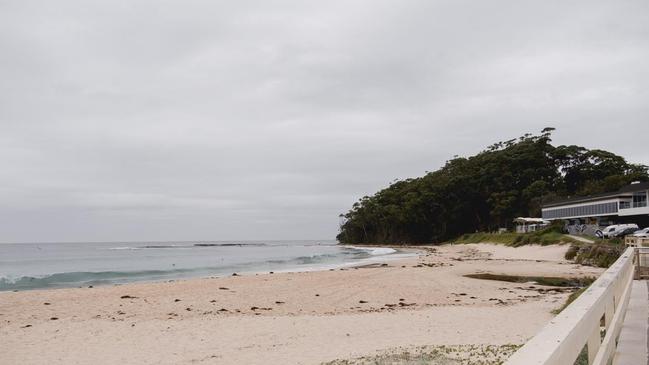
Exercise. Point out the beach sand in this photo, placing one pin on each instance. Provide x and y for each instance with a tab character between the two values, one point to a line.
291	318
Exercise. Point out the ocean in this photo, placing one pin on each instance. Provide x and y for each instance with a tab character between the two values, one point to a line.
27	266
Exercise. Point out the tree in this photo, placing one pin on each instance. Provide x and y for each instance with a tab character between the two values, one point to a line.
485	191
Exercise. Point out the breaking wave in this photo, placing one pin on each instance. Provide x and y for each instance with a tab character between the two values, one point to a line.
84	278
375	251
159	267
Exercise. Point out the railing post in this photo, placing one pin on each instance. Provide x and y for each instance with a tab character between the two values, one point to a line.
636	262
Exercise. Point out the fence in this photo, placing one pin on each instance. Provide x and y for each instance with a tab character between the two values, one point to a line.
598	311
642	263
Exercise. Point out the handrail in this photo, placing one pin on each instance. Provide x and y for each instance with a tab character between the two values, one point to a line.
562	340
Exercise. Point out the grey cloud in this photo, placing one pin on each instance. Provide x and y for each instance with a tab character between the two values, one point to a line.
147	120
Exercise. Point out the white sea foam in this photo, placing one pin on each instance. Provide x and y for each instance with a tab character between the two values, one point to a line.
65	264
376	251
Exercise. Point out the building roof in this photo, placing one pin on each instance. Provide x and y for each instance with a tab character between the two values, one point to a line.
530	220
626	191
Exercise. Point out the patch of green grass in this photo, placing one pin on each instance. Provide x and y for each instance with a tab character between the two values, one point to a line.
582	283
436	355
549	236
540	280
516	239
602	253
582	359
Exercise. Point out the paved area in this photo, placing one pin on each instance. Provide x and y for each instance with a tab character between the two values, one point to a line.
581	238
633	344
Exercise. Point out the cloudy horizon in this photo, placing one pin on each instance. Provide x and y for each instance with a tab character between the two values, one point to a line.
257	120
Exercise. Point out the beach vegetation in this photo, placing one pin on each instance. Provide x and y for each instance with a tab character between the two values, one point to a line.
602	253
438	355
575	282
552	235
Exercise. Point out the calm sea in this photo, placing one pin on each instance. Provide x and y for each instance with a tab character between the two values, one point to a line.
54	265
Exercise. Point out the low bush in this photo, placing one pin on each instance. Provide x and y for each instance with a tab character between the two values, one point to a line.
600	254
549	236
579	282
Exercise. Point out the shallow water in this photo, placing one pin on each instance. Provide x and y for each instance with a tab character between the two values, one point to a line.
53	265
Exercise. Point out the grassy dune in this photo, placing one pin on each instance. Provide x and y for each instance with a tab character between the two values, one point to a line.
600	253
549	236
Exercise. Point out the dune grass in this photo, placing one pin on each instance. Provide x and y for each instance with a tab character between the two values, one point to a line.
540	280
548	236
437	355
602	253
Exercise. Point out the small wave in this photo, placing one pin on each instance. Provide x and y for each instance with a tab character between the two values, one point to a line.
82	277
188	246
304	260
229	244
147	247
375	251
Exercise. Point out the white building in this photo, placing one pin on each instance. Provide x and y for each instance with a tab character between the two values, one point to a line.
628	204
525	225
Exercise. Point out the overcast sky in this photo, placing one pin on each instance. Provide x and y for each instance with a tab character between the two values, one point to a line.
233	120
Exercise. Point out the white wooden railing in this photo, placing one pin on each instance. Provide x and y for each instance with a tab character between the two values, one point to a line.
601	306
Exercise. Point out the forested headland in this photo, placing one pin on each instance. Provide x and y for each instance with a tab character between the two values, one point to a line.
485	192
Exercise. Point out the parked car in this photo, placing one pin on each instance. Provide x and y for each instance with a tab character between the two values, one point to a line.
615	230
624	232
641	233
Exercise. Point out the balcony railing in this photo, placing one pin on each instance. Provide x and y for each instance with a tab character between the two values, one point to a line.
629	205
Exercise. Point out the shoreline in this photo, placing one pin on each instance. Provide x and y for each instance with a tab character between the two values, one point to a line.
285	318
400	253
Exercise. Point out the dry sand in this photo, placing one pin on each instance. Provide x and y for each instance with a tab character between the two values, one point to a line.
290	318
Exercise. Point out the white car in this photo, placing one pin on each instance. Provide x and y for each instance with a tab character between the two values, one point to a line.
614	230
641	233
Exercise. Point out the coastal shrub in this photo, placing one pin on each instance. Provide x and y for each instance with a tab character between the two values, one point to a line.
436	354
572	252
600	254
548	236
540	280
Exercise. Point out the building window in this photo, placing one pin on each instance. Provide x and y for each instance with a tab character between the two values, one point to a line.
640	199
589	210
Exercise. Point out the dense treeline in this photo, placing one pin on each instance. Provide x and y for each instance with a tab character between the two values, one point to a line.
486	191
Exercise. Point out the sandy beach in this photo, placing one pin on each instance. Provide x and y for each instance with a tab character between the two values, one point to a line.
292	318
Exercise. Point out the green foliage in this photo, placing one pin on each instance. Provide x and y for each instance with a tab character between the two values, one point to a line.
600	254
540	280
544	237
572	252
436	354
582	359
484	192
